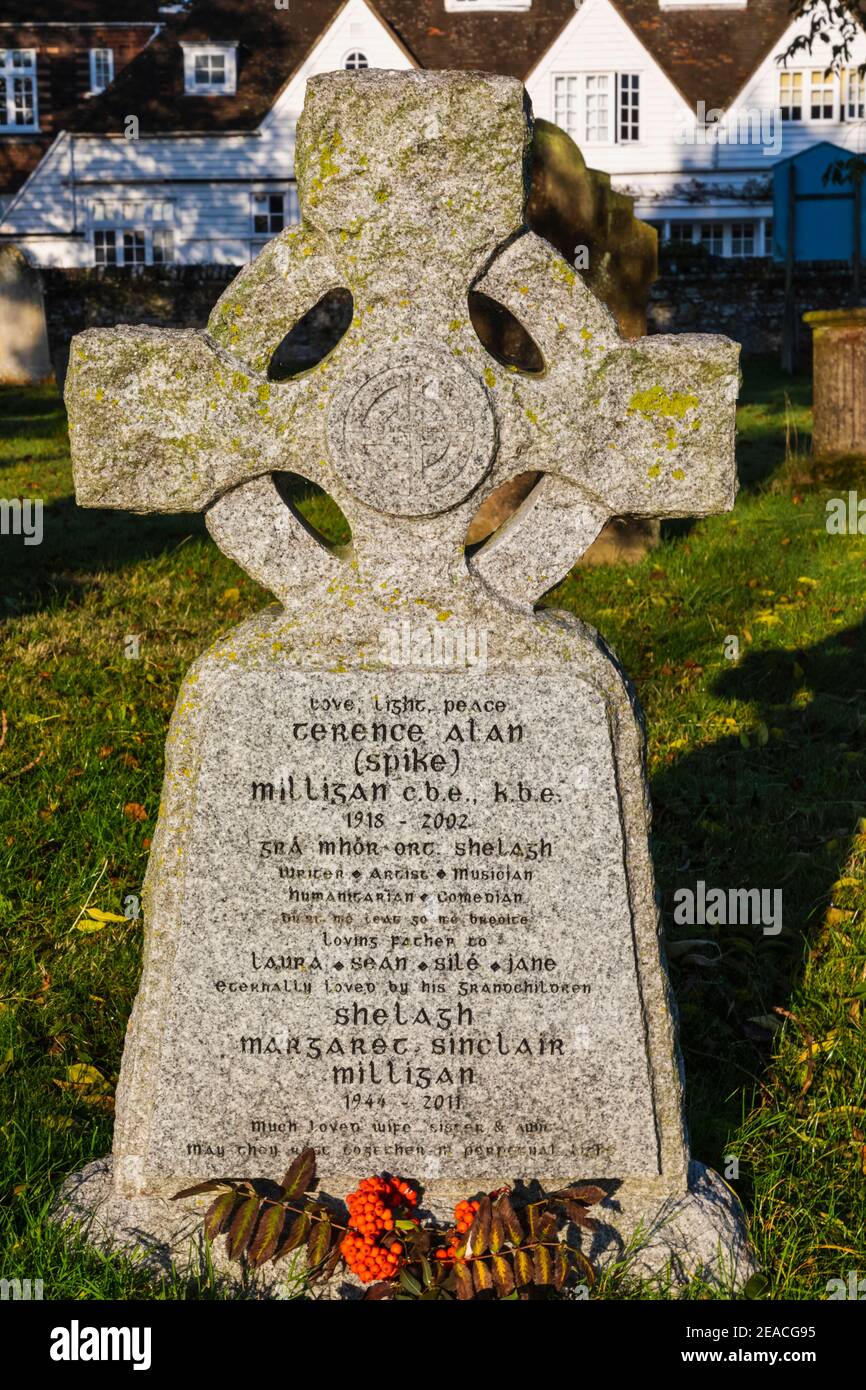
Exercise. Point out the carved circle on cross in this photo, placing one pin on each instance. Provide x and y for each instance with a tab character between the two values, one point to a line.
413	434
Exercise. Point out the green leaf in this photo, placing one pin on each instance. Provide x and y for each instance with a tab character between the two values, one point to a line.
755	1287
301	1173
410	1283
242	1227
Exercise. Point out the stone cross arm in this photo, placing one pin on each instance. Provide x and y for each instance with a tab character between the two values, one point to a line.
411	420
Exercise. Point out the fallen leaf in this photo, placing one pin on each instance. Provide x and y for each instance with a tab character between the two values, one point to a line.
230	596
133	811
99	916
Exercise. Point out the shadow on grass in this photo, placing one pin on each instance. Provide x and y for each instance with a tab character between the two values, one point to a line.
777	815
77	546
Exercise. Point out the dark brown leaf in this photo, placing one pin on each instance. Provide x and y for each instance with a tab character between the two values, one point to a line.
503	1276
481	1275
295	1236
583	1192
377	1292
301	1173
465	1286
497	1231
560	1267
242	1227
267	1237
577	1214
543	1264
219	1215
479	1233
215	1185
582	1264
510	1219
524	1269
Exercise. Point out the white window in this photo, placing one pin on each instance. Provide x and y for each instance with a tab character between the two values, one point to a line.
210	69
768	237
566	95
713	237
163	245
855	95
101	69
356	61
18	110
629	107
271	212
104	247
131	232
822	96
598	108
742	238
791	96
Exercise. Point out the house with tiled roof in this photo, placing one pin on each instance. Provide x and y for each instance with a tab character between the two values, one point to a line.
188	154
54	58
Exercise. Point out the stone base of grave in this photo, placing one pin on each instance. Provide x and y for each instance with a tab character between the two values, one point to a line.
701	1235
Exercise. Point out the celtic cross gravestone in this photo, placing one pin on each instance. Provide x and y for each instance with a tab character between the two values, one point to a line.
400	901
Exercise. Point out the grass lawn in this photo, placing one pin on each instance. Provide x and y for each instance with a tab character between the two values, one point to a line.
758	771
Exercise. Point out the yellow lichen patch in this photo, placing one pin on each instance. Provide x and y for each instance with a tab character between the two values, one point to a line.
654	471
656	402
586	333
240	382
490	377
678	474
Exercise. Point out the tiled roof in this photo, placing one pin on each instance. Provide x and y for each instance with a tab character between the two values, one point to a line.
708	53
80	11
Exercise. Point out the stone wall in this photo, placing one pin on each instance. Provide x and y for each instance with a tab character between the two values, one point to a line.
744	299
179	296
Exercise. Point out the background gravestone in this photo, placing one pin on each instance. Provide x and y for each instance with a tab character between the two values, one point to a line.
398	908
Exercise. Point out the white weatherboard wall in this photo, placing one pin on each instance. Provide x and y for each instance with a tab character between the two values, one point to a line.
662	167
200	185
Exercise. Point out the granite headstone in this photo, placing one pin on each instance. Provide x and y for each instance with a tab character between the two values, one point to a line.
400	901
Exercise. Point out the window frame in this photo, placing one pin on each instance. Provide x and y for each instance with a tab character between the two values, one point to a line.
619	115
820	83
356	67
95	55
796	76
121	218
9	75
195	51
290	216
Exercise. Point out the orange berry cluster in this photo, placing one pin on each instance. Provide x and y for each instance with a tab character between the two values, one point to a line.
464	1215
373	1210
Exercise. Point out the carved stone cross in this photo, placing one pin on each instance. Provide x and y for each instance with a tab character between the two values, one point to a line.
407	914
412	190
